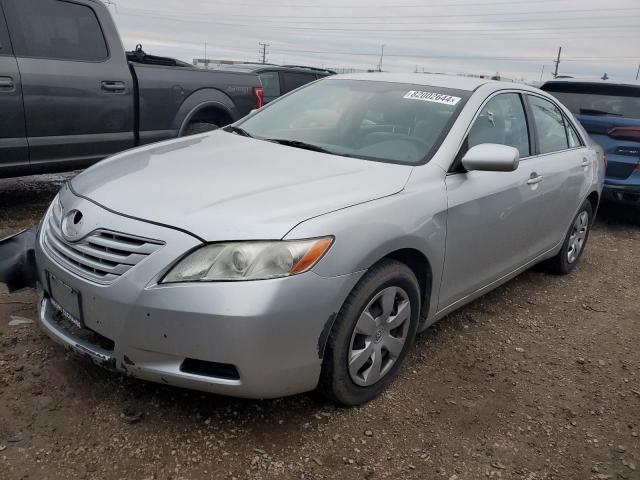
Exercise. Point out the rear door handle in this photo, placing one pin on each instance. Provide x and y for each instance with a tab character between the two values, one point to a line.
535	178
6	83
113	87
585	162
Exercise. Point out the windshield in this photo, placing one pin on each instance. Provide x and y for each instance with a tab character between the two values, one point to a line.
392	122
590	99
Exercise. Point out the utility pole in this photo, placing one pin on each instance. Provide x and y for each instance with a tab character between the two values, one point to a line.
557	62
381	55
264	51
542	73
638	72
206	61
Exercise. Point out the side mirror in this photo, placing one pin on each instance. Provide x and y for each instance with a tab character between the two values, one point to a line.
491	157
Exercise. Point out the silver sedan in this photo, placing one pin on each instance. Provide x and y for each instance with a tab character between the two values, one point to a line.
305	246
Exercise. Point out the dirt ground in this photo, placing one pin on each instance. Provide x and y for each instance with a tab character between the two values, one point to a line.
538	380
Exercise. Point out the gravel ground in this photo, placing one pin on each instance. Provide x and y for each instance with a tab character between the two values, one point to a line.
540	379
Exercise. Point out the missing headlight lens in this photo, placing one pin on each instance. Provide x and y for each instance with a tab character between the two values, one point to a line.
258	260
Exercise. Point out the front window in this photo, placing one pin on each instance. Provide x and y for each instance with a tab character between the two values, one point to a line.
393	122
502	121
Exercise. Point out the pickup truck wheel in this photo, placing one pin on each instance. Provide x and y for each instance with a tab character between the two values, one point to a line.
199	127
371	335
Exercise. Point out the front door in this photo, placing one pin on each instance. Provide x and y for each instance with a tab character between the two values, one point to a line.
493	217
14	151
78	92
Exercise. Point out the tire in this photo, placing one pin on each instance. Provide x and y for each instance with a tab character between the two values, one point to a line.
199	127
574	243
383	344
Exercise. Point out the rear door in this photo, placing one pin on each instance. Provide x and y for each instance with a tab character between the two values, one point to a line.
565	166
291	80
78	94
611	115
493	217
14	151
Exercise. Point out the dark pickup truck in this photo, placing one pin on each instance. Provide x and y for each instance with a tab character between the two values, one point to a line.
70	96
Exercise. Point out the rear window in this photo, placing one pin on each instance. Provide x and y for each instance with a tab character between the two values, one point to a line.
597	99
4	36
271	85
293	80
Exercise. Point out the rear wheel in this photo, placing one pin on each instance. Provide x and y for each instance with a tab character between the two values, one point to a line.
372	334
567	259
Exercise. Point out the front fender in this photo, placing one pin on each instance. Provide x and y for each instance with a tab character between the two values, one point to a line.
364	234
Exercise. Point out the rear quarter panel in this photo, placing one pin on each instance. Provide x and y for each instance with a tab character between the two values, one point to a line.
168	95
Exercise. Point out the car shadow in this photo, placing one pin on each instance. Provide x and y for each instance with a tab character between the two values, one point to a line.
618	215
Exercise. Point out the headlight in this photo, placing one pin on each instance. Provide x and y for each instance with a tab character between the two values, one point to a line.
248	260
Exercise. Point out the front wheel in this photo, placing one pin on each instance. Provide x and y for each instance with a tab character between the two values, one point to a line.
567	259
372	334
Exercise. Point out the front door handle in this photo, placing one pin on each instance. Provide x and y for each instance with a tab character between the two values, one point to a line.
534	179
113	87
6	83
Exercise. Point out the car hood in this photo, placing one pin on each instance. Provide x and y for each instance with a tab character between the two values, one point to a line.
221	186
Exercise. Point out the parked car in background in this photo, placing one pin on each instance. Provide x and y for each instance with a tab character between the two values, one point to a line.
299	249
280	79
610	112
69	95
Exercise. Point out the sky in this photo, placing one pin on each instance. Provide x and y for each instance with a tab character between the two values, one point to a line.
516	38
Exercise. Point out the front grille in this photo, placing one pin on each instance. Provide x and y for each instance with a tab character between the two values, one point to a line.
102	256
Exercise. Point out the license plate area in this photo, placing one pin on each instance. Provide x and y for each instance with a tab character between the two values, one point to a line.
66	300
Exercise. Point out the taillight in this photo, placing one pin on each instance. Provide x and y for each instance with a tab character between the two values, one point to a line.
606	160
625	133
258	92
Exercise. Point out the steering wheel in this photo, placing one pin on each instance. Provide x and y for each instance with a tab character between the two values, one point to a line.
415	140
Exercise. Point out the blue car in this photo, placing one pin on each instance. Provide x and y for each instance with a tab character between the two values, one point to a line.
610	113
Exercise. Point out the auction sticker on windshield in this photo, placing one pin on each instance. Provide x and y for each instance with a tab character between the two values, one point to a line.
432	97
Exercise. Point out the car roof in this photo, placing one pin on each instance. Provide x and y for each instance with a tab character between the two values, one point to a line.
457	82
583	81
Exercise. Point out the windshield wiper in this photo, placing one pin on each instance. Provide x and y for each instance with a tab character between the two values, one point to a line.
299	144
590	111
238	130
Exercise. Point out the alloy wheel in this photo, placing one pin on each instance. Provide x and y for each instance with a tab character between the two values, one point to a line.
379	336
578	236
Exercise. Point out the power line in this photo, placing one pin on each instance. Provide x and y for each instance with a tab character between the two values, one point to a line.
596	19
451	57
378	17
431	5
437	31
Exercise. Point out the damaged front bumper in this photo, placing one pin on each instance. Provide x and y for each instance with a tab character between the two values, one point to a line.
255	339
17	260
